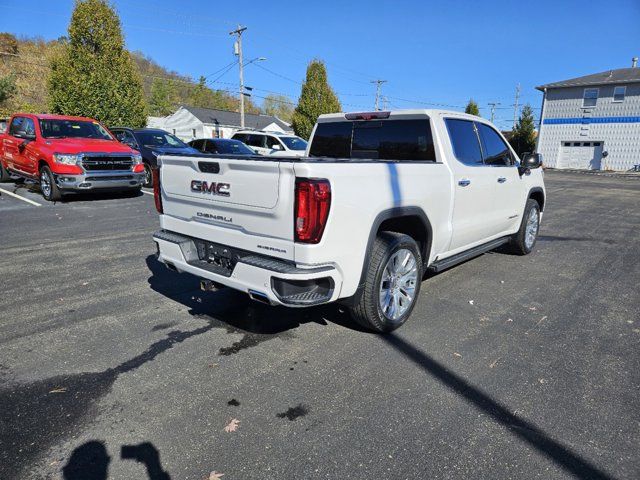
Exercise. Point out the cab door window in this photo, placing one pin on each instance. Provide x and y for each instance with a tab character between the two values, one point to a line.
17	125
495	151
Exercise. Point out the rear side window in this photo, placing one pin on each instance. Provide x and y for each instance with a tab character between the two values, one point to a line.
464	140
256	140
240	136
332	140
382	139
496	152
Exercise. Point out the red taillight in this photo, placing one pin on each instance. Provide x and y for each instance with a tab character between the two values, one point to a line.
313	199
155	172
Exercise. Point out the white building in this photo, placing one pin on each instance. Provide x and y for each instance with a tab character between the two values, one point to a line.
592	122
188	123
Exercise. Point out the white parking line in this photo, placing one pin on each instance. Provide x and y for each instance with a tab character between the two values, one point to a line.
11	194
148	193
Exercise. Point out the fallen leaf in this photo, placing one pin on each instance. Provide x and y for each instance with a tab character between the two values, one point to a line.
232	426
494	363
84	284
59	390
533	309
470	302
542	380
501	281
215	476
509	319
457	354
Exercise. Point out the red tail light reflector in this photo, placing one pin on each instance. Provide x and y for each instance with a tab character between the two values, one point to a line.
313	199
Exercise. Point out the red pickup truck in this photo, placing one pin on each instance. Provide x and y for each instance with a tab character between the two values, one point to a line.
67	154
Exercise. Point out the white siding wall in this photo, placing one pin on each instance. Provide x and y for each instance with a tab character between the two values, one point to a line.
621	140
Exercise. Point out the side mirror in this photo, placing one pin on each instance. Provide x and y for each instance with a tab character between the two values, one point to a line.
24	135
529	161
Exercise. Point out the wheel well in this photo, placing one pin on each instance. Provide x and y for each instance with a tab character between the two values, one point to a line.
538	196
41	163
411	225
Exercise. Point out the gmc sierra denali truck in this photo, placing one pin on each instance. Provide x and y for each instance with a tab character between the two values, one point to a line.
67	154
379	198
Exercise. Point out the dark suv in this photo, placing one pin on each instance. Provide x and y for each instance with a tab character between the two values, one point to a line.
151	142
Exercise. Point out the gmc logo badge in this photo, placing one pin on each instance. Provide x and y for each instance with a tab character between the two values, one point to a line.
213	188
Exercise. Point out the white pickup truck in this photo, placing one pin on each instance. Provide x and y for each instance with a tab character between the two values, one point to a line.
379	199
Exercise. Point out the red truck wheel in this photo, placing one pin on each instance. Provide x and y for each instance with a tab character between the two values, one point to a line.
48	187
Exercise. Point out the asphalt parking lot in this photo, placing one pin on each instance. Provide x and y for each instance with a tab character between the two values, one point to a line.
112	366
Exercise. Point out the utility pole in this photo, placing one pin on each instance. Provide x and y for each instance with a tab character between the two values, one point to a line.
515	106
378	85
493	109
238	51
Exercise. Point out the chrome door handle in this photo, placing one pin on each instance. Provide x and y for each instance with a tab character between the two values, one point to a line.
464	182
502	179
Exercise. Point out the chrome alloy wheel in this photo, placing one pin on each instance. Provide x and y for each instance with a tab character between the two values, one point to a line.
531	230
45	184
148	176
398	285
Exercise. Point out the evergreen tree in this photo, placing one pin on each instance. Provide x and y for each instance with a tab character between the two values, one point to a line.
472	108
523	138
162	98
7	87
316	98
93	75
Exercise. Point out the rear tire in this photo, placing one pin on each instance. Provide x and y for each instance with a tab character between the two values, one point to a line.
392	283
4	175
522	243
48	187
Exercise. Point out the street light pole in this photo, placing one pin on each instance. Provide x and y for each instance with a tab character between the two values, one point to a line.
238	51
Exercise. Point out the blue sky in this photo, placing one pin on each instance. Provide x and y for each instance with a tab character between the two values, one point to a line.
429	52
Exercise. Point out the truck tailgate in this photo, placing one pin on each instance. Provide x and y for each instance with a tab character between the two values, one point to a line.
238	202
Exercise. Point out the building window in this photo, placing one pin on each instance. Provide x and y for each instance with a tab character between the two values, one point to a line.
618	94
590	97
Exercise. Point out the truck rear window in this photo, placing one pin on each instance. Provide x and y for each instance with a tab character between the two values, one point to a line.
378	139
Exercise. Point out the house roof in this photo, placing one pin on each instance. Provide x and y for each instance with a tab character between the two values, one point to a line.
620	75
225	117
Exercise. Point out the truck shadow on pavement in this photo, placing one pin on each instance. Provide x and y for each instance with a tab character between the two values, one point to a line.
90	461
561	455
234	311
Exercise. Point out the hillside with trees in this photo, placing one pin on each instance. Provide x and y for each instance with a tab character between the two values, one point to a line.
25	70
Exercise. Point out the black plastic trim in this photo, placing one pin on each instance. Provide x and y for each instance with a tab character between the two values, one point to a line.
544	197
449	262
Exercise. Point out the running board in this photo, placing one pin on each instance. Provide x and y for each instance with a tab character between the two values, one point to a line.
449	262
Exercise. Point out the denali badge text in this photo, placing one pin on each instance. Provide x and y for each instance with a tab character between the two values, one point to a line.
213	188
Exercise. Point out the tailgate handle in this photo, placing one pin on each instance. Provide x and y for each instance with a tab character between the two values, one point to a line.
209	167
